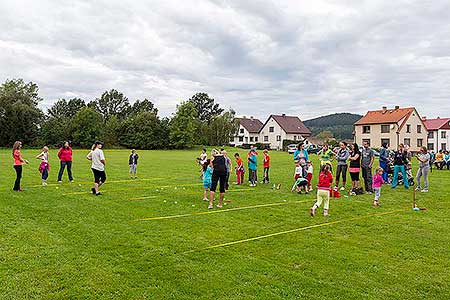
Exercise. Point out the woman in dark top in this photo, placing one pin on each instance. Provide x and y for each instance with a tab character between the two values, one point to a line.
355	168
400	162
219	176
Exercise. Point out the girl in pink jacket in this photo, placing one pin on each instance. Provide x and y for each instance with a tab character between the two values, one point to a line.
377	181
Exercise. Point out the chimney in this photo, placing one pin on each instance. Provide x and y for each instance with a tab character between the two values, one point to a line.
424	118
397	107
244	117
283	115
251	117
384	108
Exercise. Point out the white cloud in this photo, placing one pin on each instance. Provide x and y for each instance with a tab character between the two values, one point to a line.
299	57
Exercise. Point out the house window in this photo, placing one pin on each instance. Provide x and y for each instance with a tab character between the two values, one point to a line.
419	142
430	146
407	142
278	138
408	128
444	146
271	129
443	134
241	139
366	129
241	130
266	138
256	139
431	135
419	128
385	141
295	137
385	129
246	139
366	140
251	139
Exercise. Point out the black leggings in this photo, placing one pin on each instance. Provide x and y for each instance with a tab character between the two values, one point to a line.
218	177
341	171
18	177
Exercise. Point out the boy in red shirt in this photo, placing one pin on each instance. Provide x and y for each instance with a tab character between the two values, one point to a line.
266	163
323	191
239	169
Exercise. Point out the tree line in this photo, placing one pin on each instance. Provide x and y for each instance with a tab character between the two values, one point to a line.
110	118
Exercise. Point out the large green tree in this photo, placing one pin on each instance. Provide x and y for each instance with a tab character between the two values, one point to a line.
144	131
222	128
183	126
87	126
205	106
20	116
66	109
112	103
143	106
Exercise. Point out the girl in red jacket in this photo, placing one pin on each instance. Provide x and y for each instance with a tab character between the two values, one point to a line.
323	191
65	158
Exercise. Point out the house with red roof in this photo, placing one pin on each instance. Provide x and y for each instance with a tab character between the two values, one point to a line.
281	127
392	126
438	133
248	132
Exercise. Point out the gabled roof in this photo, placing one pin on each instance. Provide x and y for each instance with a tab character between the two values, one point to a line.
252	125
290	124
435	124
385	116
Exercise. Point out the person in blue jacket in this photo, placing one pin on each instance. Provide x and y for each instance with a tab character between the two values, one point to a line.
301	155
252	166
384	160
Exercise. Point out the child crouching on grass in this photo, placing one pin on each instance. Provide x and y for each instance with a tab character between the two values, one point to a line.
207	176
300	183
377	182
44	167
323	191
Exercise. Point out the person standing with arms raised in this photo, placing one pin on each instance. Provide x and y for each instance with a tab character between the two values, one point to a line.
65	159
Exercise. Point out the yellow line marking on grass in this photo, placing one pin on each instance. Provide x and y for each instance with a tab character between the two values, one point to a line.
220	211
143	198
293	230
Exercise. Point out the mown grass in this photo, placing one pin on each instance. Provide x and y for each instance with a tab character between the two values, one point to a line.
60	242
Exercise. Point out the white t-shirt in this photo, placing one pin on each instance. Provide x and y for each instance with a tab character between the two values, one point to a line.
309	170
298	170
44	157
96	157
203	158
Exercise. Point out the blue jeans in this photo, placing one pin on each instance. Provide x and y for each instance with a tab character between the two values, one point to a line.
383	165
63	165
402	169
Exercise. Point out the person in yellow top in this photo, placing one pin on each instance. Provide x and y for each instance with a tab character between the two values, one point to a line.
439	161
325	155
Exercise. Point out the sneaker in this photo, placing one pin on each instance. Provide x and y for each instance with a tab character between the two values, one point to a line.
210	206
72	181
310	189
342	188
299	192
219	206
375	203
205	199
325	212
93	191
312	212
98	194
417	189
424	191
44	184
59	181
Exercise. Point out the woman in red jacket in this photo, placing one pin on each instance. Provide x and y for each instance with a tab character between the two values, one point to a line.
65	158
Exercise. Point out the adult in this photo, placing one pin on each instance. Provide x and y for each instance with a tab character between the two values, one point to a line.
439	160
424	168
301	155
65	160
367	157
432	158
325	156
400	162
219	176
355	169
18	162
229	166
384	160
342	156
97	158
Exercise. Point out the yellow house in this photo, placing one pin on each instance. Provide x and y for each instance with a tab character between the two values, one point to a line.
393	127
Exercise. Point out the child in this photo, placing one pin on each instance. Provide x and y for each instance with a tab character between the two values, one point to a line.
300	183
377	181
266	164
252	167
323	191
44	167
207	176
309	174
132	162
229	166
239	169
298	170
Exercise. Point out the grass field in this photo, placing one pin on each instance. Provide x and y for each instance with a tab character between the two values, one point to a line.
60	242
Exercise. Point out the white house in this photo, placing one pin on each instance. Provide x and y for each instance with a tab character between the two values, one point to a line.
438	133
393	127
248	132
281	127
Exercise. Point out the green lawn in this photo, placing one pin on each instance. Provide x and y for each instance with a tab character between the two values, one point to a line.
60	242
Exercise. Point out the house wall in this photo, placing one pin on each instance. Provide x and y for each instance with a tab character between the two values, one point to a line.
273	142
438	141
413	135
375	136
246	137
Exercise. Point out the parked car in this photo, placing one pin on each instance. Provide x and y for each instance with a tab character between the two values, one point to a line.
291	148
312	148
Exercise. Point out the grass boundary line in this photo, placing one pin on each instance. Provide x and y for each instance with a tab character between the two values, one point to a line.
291	231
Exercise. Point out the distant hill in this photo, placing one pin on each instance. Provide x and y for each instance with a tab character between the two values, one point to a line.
341	124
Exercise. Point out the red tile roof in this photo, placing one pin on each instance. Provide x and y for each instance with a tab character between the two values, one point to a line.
291	124
252	125
435	124
385	116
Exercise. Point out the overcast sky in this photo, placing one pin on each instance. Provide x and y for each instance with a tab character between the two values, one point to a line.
307	58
